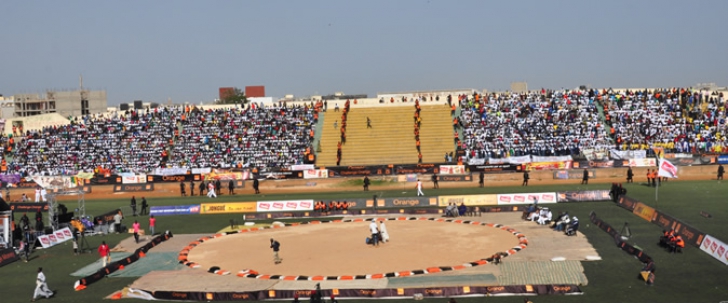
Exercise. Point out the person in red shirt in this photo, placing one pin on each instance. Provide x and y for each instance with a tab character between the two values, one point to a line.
105	253
152	222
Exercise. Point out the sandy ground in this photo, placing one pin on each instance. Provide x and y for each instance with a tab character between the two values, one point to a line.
338	248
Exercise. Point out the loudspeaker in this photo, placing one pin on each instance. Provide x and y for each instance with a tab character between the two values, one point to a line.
137	104
124	106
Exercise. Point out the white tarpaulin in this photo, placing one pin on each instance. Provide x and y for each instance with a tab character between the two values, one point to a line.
627	154
551	158
171	171
315	173
201	171
510	160
55	182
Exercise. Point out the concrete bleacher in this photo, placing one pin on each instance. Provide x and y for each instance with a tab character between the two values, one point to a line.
391	138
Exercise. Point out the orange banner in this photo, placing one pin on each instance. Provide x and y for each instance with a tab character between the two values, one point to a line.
644	211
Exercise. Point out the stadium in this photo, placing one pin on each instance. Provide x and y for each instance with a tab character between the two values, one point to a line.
454	175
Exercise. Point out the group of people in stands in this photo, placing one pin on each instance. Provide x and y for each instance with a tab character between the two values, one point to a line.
544	216
672	241
344	115
177	136
323	207
680	120
418	122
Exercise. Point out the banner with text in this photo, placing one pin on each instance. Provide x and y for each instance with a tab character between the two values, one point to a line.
173	178
452	170
7	256
469	200
584	196
57	237
643	211
134	179
715	248
315	173
227	208
174	210
643	162
526	198
292	205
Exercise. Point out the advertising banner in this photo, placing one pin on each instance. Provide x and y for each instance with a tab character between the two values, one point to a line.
350	203
56	182
510	160
10	178
7	256
452	170
279	175
174	210
596	164
573	174
583	196
350	171
57	237
627	154
227	208
548	165
643	211
171	171
112	179
416	169
723	159
690	234
408	202
292	205
134	179
526	198
469	200
120	188
26	184
315	173
627	203
302	167
643	162
664	221
476	161
715	248
28	207
455	178
228	175
173	178
201	171
494	168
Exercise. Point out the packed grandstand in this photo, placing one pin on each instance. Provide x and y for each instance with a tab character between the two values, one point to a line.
275	136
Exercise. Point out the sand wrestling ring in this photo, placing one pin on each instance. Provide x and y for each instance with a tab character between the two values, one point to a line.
426	256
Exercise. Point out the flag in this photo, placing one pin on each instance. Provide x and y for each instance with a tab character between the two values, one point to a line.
667	169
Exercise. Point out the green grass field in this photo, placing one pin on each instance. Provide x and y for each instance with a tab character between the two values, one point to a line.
692	276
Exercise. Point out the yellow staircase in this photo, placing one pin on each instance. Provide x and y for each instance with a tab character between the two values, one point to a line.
391	139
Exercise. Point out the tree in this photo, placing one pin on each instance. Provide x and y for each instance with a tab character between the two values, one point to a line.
237	96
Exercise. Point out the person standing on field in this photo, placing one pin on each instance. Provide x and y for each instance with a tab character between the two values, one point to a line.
276	246
41	287
419	188
105	253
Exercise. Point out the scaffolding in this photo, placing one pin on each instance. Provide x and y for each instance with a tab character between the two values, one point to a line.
52	198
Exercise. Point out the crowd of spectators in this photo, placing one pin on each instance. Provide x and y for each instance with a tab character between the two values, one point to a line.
543	123
177	136
678	120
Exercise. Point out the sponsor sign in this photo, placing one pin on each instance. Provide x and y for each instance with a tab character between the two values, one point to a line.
170	171
173	178
56	237
302	167
526	198
348	171
594	164
26	184
723	159
10	178
134	179
315	173
690	234
28	207
292	205
642	162
715	248
408	202
573	174
548	165
488	168
225	175
452	169
416	169
174	210
113	179
583	196
469	200
279	175
133	187
455	178
643	211
627	203
7	256
226	208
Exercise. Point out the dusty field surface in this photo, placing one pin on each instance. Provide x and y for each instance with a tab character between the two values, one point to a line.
336	249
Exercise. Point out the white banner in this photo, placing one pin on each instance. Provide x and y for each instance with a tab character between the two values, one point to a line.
593	154
715	248
627	154
510	160
452	169
302	167
476	162
293	205
54	182
526	198
59	236
642	162
315	173
170	171
201	171
551	158
134	179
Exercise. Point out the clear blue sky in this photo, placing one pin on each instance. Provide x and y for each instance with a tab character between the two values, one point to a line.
185	50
